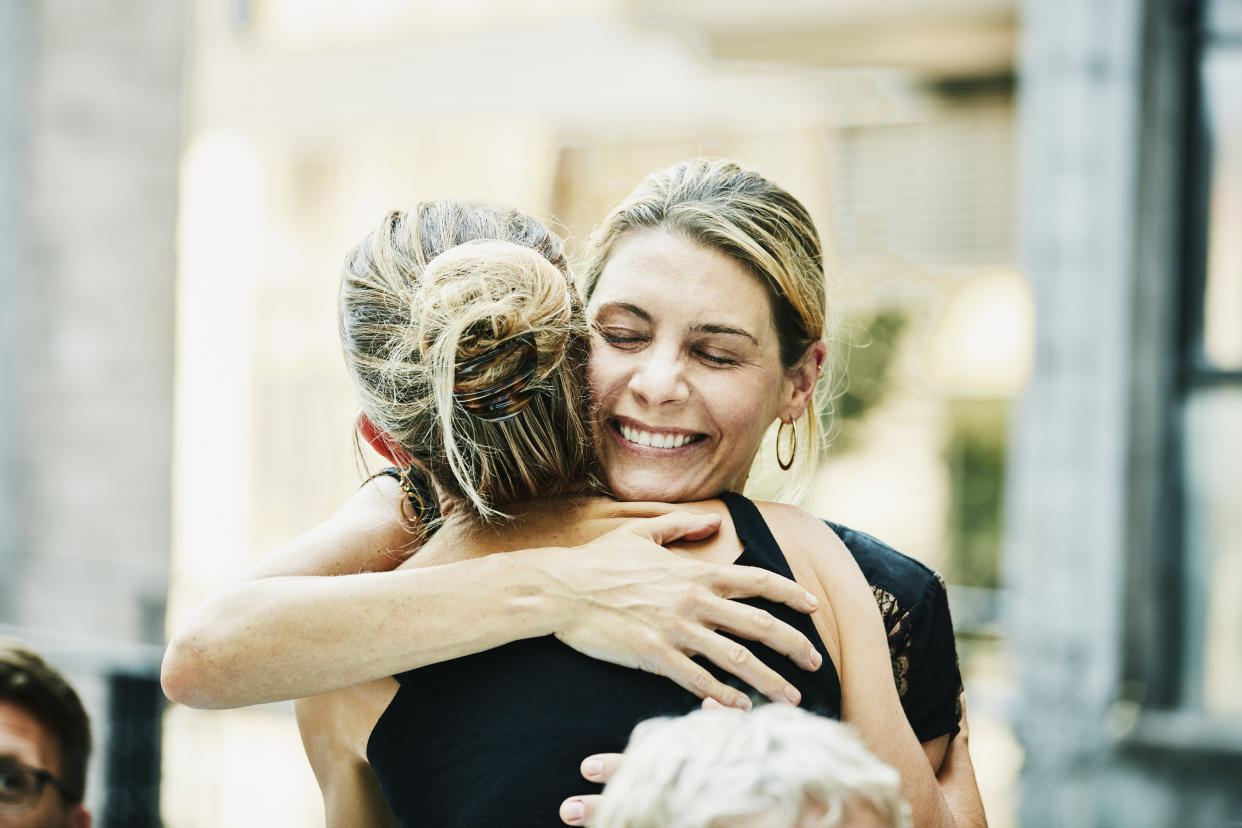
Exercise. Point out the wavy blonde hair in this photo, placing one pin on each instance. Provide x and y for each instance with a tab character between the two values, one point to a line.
720	205
448	285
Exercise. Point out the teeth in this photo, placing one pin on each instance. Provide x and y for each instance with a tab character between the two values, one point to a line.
653	439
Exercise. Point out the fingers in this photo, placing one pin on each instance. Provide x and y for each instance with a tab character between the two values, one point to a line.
579	810
735	658
678	525
600	767
751	582
695	678
751	622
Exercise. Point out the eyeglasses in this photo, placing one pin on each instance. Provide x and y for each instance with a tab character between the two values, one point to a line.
21	786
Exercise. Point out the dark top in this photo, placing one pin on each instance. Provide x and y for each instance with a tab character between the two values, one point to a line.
495	738
915	608
913	603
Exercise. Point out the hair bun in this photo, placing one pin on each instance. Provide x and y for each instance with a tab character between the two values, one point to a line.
510	394
494	316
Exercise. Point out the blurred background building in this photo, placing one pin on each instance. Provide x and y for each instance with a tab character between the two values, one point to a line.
1031	215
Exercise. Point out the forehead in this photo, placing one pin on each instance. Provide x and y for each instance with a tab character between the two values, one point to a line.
25	738
660	271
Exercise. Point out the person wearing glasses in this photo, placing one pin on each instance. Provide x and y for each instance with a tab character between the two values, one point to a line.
45	742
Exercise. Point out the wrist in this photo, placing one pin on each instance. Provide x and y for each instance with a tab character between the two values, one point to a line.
536	596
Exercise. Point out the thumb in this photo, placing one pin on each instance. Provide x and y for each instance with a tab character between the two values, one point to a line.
678	525
600	767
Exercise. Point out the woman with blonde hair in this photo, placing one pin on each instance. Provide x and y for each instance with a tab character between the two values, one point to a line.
685	392
473	368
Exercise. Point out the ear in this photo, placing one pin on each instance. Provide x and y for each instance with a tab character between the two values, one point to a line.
381	442
802	378
79	817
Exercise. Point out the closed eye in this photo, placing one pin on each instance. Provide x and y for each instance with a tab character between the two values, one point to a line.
716	359
620	337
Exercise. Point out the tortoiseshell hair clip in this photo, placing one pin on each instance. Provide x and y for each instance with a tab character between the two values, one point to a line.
499	402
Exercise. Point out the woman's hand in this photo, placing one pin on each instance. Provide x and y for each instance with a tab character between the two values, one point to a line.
634	603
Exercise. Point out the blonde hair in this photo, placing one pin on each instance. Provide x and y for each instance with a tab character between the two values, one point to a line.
720	205
714	768
468	344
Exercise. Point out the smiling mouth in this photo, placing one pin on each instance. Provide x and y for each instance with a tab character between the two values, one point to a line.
656	439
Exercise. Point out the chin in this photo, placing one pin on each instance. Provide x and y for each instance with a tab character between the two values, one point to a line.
642	487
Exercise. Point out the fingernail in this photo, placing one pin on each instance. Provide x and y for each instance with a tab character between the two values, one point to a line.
592	767
792	694
812	600
741	703
573	811
817	660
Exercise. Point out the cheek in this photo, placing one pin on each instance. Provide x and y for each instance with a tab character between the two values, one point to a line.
742	406
597	379
605	373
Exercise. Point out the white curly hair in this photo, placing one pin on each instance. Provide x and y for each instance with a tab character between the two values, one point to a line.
775	767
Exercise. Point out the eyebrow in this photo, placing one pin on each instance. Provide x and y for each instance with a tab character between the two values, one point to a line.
724	329
706	327
626	306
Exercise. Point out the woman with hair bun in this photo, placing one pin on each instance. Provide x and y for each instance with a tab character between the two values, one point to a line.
472	367
705	299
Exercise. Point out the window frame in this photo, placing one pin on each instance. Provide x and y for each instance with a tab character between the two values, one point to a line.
1164	665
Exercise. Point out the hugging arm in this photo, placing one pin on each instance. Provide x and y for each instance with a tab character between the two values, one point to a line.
935	703
303	625
923	659
870	700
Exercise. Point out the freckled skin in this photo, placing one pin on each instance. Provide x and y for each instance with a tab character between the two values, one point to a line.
24	738
682	341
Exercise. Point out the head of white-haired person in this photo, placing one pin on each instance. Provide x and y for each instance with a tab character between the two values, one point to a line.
774	767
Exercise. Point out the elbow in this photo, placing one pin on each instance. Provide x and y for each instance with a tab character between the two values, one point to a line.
185	673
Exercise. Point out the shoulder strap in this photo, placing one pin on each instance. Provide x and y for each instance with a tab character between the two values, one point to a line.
759	547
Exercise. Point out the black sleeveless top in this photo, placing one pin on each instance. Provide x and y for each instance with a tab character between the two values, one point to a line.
495	738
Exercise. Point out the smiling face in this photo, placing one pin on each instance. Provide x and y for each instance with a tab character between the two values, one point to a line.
685	367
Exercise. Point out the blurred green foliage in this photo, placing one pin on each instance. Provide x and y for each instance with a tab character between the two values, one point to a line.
974	447
863	361
975	457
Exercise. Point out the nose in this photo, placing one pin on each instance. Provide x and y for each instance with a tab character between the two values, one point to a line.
660	378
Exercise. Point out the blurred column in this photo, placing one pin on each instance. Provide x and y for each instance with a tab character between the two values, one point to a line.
13	29
1095	617
94	334
90	135
1067	488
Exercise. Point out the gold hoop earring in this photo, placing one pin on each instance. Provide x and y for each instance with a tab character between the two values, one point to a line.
412	495
786	465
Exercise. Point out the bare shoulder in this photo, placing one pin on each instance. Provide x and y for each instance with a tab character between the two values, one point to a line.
805	534
369	533
335	728
807	541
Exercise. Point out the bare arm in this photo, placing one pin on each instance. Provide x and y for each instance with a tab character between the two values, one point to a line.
869	699
949	761
956	776
351	793
290	632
